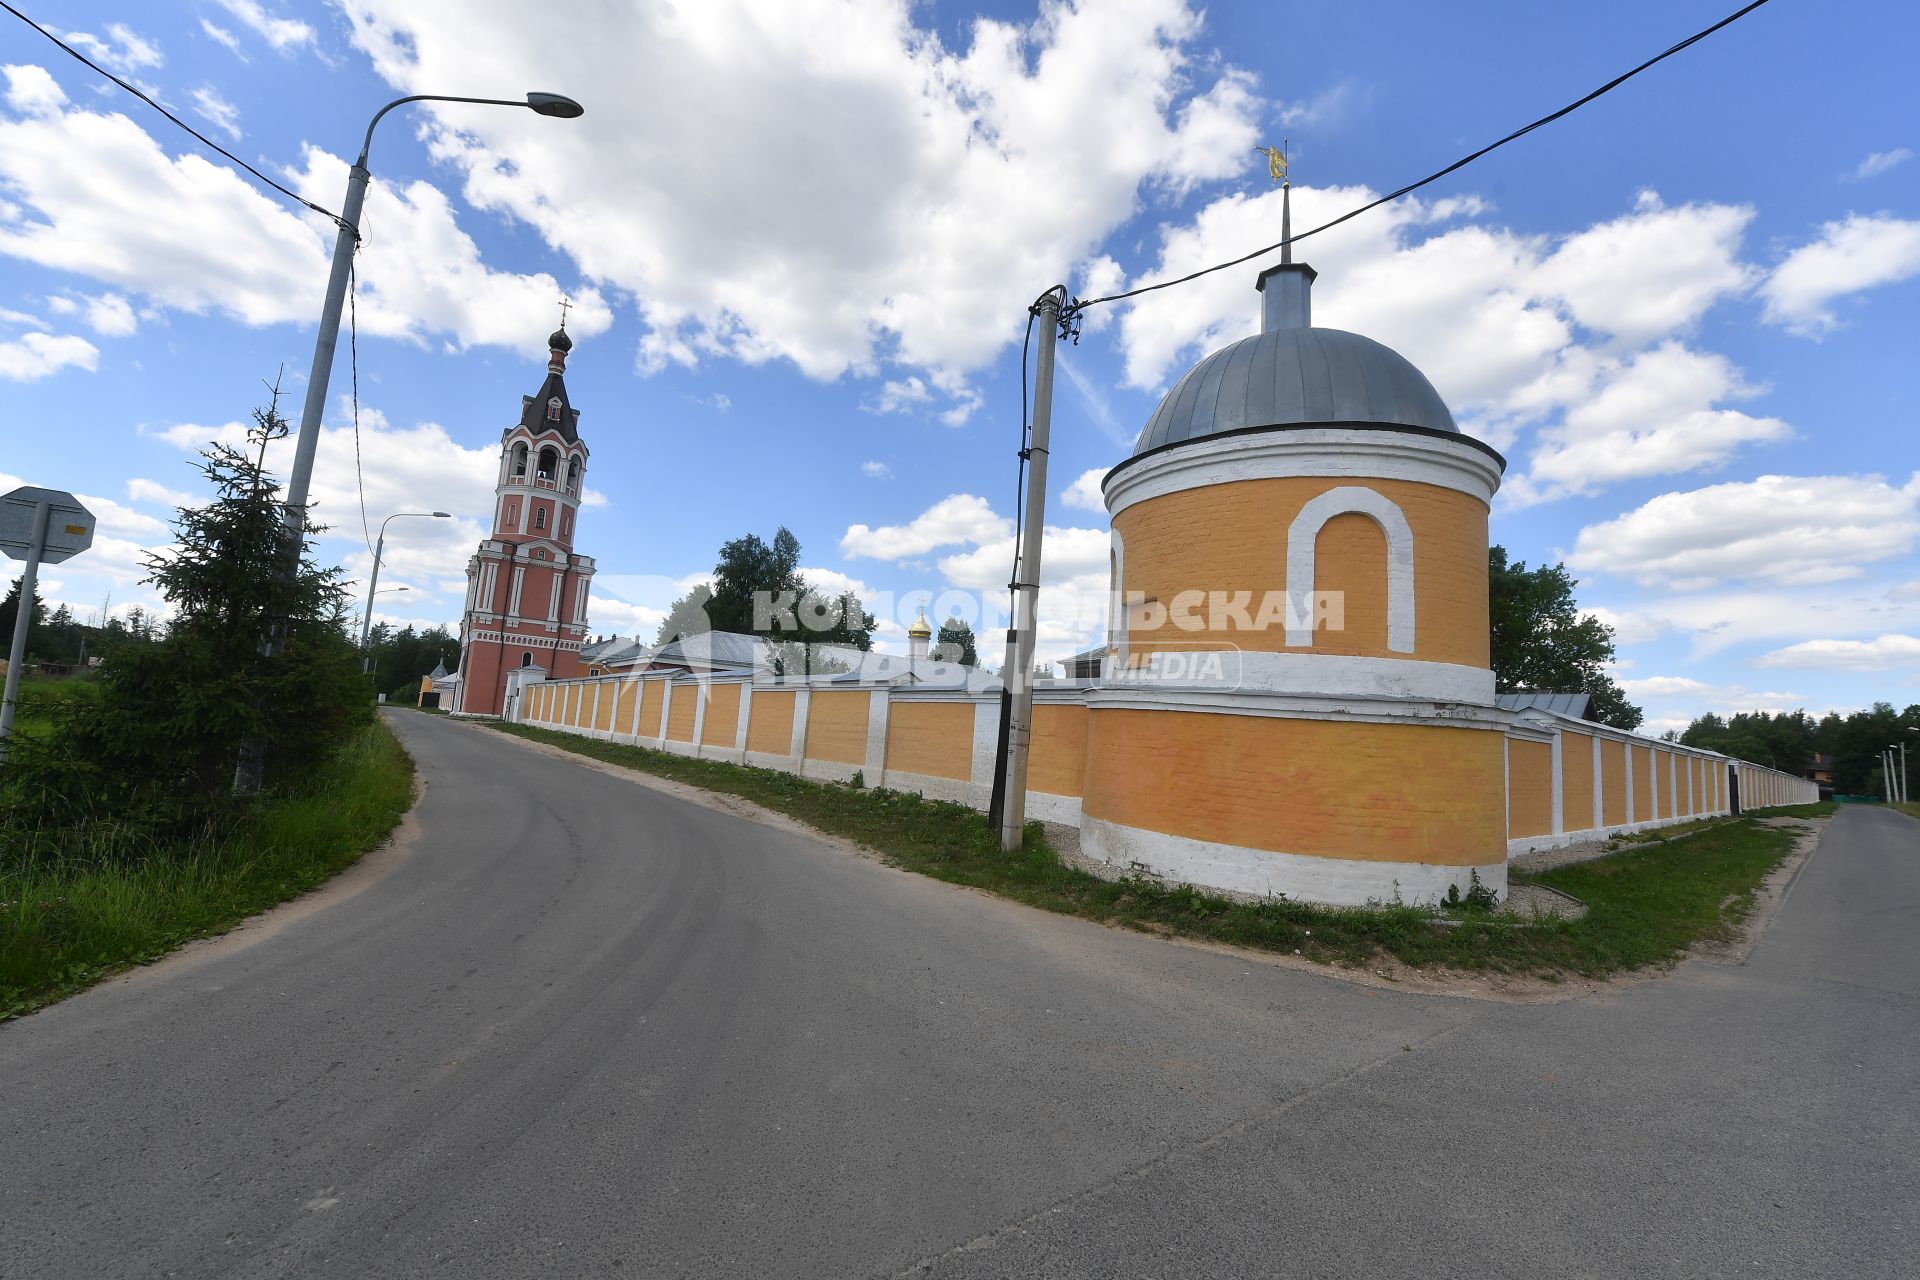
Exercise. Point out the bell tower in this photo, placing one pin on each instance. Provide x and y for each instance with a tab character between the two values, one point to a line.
526	586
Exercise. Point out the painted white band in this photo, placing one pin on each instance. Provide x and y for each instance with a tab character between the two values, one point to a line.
1318	674
1345	882
1337	452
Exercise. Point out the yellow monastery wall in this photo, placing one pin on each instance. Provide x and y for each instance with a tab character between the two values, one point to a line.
1576	781
623	716
770	722
1233	537
605	694
1388	793
682	711
1613	782
1669	783
1057	760
722	725
837	726
1529	789
930	738
651	699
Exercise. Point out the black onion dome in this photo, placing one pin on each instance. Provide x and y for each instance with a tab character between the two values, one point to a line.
559	341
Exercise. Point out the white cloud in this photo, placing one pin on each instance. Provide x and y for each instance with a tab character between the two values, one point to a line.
419	468
281	33
888	192
1863	252
1651	272
216	110
959	519
1780	530
876	470
141	490
224	37
1886	653
36	355
111	315
33	92
1631	627
192	235
1879	162
1685	691
1648	415
1084	493
900	396
124	50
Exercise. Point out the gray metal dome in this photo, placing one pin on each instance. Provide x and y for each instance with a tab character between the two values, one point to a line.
1291	374
1285	377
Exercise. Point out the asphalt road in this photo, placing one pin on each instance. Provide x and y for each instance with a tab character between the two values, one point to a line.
586	1029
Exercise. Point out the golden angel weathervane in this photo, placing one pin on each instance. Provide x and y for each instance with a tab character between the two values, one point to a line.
1276	161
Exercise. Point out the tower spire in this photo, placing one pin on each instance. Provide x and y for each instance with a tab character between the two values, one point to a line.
1286	204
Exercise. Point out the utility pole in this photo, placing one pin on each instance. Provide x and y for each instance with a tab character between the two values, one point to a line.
1017	675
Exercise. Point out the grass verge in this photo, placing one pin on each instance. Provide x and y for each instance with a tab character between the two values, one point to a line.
1645	906
1911	810
65	926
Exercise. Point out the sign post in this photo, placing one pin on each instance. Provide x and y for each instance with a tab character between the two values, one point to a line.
35	525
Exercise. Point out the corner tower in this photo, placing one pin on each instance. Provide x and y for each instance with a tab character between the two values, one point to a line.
526	587
1299	698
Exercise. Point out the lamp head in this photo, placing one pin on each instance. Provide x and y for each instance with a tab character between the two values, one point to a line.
556	105
441	515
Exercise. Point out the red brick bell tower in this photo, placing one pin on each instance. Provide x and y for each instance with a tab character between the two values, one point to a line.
526	588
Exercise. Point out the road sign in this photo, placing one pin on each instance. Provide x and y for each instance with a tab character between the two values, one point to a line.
35	525
69	525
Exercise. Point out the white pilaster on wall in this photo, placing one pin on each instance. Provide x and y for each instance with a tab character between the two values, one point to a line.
666	708
1653	784
1599	787
1506	784
593	717
746	718
802	697
874	771
1559	790
1673	782
702	694
1633	802
986	742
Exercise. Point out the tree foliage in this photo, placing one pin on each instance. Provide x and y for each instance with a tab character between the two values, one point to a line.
160	745
758	590
400	658
1541	640
956	643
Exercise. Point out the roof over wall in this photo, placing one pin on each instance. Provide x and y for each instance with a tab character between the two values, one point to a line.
1561	704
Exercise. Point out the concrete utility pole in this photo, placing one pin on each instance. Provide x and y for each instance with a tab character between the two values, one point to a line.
1018	672
247	774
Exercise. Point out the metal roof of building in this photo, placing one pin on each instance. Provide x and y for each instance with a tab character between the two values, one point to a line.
1561	704
1291	377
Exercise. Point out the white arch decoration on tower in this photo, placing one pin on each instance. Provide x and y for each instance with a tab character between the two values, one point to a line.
1304	532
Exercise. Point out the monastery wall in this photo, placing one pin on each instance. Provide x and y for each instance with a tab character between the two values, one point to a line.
1348	791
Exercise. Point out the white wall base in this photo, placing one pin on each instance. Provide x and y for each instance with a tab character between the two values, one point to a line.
1343	882
1597	835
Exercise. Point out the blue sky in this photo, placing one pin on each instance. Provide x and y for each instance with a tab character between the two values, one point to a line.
802	238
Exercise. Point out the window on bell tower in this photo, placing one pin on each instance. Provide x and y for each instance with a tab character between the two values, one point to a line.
540	517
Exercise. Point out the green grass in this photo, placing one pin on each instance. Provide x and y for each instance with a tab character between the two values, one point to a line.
65	926
1911	810
1645	906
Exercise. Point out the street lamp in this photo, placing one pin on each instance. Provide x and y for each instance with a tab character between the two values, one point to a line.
379	549
298	481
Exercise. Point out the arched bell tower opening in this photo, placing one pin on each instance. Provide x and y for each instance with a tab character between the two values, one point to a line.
527	589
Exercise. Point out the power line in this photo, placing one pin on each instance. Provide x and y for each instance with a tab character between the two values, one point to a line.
1079	305
204	139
